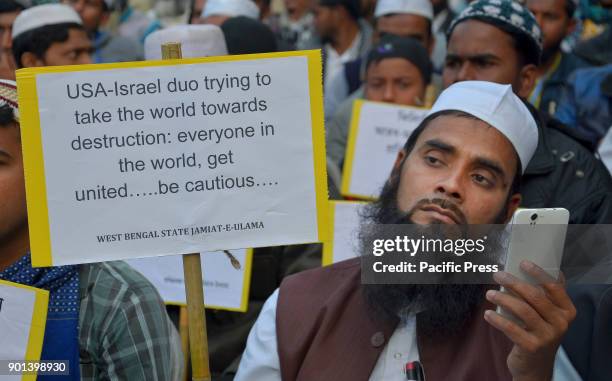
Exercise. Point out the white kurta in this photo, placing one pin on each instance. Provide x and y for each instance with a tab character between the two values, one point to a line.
260	359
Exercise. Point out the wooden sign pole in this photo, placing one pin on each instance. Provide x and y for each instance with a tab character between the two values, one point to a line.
198	341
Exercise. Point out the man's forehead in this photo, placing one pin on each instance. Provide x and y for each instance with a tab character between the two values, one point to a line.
79	38
470	136
542	5
7	19
478	37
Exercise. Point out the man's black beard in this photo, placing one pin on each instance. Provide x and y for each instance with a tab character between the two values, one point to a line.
443	309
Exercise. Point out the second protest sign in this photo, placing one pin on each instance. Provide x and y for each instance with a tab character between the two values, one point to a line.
378	132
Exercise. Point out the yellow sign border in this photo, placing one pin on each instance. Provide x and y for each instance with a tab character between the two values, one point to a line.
327	257
349	155
328	246
39	321
33	158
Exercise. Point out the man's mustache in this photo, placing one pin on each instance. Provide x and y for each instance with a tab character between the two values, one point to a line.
444	204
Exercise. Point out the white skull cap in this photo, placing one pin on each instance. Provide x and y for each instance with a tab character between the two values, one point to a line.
43	15
498	106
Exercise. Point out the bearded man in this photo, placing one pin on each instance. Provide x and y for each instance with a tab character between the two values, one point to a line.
462	165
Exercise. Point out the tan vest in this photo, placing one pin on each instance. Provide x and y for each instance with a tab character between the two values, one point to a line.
326	332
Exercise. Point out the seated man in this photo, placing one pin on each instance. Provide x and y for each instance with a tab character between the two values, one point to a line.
104	316
500	41
50	35
556	19
398	71
463	164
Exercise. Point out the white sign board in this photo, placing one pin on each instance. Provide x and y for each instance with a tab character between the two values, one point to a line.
23	315
225	287
378	132
155	158
344	241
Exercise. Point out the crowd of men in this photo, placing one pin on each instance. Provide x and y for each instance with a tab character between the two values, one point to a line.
521	109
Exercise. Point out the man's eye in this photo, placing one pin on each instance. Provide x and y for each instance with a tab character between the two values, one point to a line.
482	180
452	63
484	63
404	85
432	160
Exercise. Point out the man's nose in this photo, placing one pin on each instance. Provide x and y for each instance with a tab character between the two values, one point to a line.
451	186
466	73
389	93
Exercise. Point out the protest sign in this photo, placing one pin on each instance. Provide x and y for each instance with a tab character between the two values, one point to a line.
378	132
170	157
225	287
344	241
23	315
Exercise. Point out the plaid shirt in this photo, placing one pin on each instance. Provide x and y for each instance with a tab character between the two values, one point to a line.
124	330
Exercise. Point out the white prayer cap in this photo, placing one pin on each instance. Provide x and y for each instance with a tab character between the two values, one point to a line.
415	7
497	106
43	15
8	96
231	8
196	41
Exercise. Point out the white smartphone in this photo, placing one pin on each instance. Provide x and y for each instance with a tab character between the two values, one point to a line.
537	235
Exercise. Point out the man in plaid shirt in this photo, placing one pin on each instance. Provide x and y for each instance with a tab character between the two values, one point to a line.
104	316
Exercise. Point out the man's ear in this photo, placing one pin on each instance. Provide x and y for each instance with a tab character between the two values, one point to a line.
29	59
527	78
513	204
399	160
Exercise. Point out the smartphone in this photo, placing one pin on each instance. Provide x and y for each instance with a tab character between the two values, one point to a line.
537	235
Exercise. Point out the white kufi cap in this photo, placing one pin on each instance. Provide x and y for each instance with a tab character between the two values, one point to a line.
497	106
414	7
43	15
196	41
231	8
